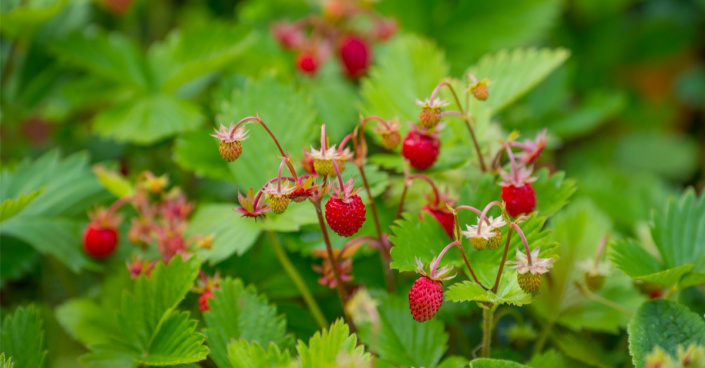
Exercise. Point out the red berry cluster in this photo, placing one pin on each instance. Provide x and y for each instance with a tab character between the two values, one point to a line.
316	37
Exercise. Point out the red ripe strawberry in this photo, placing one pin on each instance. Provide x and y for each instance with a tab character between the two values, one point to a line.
203	300
519	200
445	218
355	55
345	212
99	242
425	298
421	148
307	63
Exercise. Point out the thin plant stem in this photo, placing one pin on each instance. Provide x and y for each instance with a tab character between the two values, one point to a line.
434	265
400	208
504	259
297	279
523	239
487	318
473	209
544	335
259	120
483	216
603	301
467	264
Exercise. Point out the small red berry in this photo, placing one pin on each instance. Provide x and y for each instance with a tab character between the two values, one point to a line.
355	55
519	200
99	242
203	300
444	217
345	218
307	63
425	298
421	149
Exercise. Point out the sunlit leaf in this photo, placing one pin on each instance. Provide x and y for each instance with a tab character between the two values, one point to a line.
333	347
243	354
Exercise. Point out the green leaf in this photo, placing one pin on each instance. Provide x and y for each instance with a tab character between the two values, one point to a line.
23	20
47	223
238	312
196	151
416	238
85	321
679	233
243	354
408	70
233	233
151	331
148	119
22	337
6	362
288	113
514	73
402	341
336	100
552	191
114	182
16	259
296	215
494	363
508	291
188	54
549	358
333	347
12	206
666	324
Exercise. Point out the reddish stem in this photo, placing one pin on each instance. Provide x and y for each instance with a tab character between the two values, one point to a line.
434	264
483	216
291	167
473	209
523	238
436	193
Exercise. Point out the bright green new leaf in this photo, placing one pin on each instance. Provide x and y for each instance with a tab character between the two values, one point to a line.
152	332
12	206
408	70
513	73
679	234
494	363
243	354
334	347
51	223
148	119
239	312
508	291
114	182
22	337
666	324
288	113
400	340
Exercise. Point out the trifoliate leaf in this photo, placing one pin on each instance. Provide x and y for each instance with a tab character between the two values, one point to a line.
238	312
552	192
333	347
12	206
243	354
513	73
22	337
666	324
288	113
679	234
148	119
494	363
409	70
151	331
508	291
49	223
400	340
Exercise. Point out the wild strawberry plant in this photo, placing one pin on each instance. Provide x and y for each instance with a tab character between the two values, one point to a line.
327	187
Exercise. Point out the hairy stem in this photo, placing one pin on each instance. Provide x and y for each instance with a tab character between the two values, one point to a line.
297	279
501	264
487	314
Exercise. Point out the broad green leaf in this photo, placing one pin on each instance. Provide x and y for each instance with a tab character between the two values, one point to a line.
22	337
243	354
508	291
513	73
552	191
28	16
296	215
333	347
549	358
148	119
48	223
679	234
190	53
111	56
12	206
288	113
196	151
454	361
400	340
85	321
416	238
408	70
233	233
239	312
494	363
151	331
666	324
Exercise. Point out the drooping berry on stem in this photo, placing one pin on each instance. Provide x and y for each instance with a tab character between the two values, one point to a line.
421	148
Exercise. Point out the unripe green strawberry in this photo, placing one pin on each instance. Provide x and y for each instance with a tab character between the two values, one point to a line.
230	151
529	282
495	241
594	281
278	204
478	243
323	167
